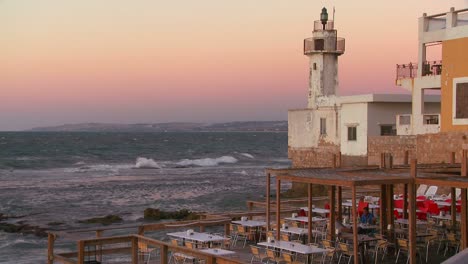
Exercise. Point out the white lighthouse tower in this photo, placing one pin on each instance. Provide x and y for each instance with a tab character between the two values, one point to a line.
323	50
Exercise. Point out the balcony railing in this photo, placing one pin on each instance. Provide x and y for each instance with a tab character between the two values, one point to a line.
405	71
410	70
311	46
319	26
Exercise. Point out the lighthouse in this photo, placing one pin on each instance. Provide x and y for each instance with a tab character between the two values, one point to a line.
323	49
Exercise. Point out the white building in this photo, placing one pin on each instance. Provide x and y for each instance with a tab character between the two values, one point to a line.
332	124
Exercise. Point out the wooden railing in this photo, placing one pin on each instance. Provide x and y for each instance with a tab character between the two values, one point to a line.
164	249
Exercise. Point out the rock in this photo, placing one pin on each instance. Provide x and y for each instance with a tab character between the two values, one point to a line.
157	214
106	220
23	229
55	223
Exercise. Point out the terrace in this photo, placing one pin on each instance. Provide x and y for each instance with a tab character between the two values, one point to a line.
228	237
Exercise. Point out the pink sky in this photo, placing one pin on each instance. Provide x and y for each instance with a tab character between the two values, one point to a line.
203	61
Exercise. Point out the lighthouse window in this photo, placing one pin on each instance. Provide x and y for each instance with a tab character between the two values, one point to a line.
315	66
319	44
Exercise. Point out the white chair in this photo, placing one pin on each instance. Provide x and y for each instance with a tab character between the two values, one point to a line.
458	193
421	190
431	191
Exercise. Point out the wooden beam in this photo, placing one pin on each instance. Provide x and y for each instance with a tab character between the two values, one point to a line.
81	252
355	226
278	208
309	214
382	209
412	223
268	203
464	219
405	202
50	248
332	191
339	203
412	213
135	250
453	208
163	254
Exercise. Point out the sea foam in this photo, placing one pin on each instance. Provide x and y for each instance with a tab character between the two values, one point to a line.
207	162
144	163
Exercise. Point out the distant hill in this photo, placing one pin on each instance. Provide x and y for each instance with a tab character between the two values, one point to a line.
170	127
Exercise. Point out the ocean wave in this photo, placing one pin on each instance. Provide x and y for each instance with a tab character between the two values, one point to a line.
145	163
250	156
99	168
207	162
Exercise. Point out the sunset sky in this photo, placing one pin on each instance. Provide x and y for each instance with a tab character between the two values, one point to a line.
204	61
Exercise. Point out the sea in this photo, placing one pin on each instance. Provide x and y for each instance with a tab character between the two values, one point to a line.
56	179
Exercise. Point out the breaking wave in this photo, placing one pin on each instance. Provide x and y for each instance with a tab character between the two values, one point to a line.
250	156
207	162
145	163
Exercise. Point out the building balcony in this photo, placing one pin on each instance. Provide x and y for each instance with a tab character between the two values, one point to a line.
424	124
317	45
429	75
318	26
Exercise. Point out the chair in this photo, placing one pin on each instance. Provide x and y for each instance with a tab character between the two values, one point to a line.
431	191
242	234
421	190
288	258
257	255
144	252
346	251
271	254
233	233
380	247
452	242
403	247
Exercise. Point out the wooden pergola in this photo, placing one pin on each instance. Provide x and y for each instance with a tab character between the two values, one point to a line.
336	180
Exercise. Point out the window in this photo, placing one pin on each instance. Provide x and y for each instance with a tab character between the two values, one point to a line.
323	126
319	44
315	66
387	130
461	103
352	133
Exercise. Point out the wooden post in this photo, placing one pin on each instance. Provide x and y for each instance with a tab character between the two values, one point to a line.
405	202
464	209
50	248
389	199
278	209
249	208
141	230
412	212
202	228
406	160
99	247
339	203
452	158
355	226
163	256
227	231
331	215
383	209
464	219
81	252
309	214
134	250
268	178
453	208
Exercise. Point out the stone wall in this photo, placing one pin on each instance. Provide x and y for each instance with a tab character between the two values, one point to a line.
428	148
437	148
397	145
313	157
